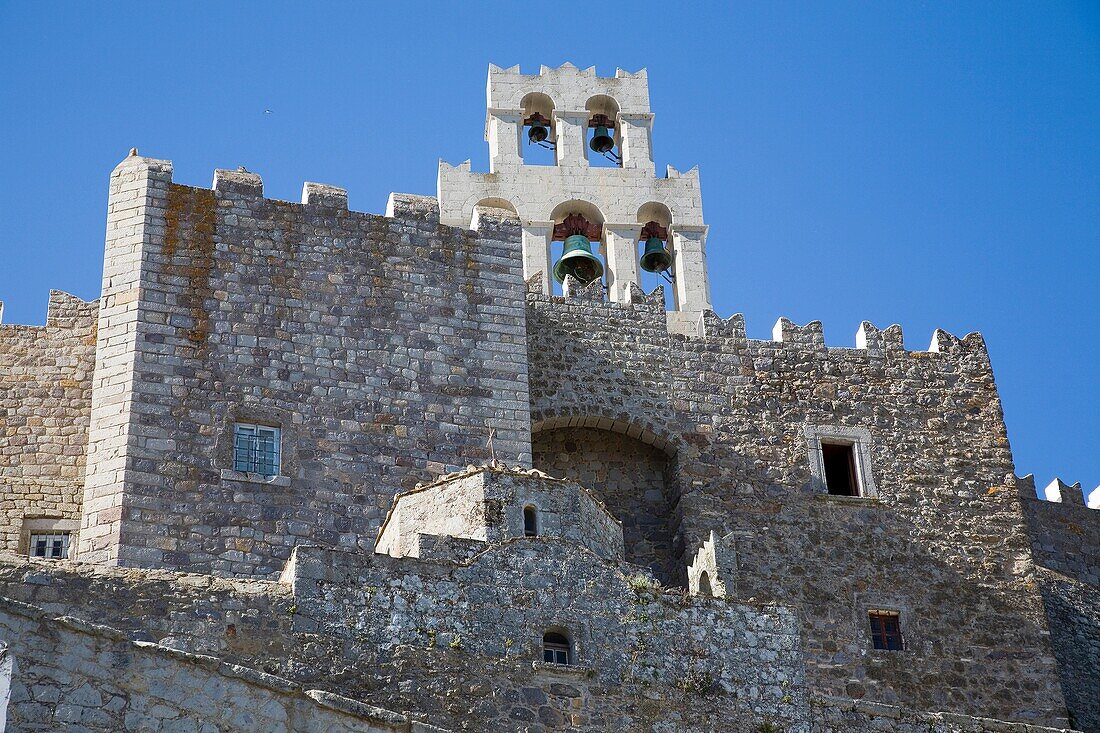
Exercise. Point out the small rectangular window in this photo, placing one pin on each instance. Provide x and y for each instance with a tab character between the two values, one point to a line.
885	630
52	546
840	468
256	449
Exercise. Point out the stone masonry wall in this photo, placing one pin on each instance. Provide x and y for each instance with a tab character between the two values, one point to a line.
1065	535
457	644
1065	540
850	716
943	542
381	346
631	479
487	505
462	642
45	393
1073	612
75	676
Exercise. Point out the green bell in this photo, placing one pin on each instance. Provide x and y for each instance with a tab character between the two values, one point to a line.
577	260
655	258
537	133
602	142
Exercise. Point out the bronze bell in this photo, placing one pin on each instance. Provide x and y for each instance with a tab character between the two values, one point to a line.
537	133
577	260
655	258
602	142
540	128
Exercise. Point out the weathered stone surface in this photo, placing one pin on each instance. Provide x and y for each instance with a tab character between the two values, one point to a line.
397	355
45	397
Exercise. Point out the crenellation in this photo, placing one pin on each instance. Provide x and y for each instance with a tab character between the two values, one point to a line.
322	194
238	183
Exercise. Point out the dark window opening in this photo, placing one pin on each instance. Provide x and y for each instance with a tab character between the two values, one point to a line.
556	649
704	585
840	468
885	630
50	545
530	522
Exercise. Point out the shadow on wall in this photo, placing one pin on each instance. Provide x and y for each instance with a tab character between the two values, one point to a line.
632	478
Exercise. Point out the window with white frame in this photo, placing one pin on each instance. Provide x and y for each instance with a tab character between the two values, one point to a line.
51	546
256	449
556	648
840	459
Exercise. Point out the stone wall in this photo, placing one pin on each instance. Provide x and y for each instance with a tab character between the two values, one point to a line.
72	675
1073	612
45	393
1065	541
487	505
1065	534
943	542
630	477
462	642
850	716
382	347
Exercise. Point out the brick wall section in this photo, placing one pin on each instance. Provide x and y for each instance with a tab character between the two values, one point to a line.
944	542
45	398
381	346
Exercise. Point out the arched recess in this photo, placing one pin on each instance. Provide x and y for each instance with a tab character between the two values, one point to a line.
650	213
591	214
634	477
604	111
538	110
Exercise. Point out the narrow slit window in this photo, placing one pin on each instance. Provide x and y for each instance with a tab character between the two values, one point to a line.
51	546
885	630
530	522
256	449
556	649
841	477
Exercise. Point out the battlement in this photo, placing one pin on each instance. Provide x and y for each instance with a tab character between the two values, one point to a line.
63	310
569	87
1057	492
730	332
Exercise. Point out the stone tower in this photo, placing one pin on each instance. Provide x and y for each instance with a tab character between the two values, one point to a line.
621	200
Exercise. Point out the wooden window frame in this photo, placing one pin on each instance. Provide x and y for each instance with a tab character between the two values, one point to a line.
888	636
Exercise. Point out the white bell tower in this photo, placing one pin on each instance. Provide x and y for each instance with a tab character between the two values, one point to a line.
619	200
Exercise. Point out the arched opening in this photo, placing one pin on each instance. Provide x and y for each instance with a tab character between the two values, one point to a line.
530	521
633	479
557	648
655	256
704	585
539	133
576	243
492	206
603	140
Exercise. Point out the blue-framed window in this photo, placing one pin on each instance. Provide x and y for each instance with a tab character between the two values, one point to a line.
256	449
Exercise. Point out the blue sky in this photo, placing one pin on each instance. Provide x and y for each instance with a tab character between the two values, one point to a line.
931	164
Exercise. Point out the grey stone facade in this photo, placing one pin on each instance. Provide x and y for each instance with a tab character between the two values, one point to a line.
686	545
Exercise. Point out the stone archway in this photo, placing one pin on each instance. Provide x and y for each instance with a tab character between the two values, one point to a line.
633	478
